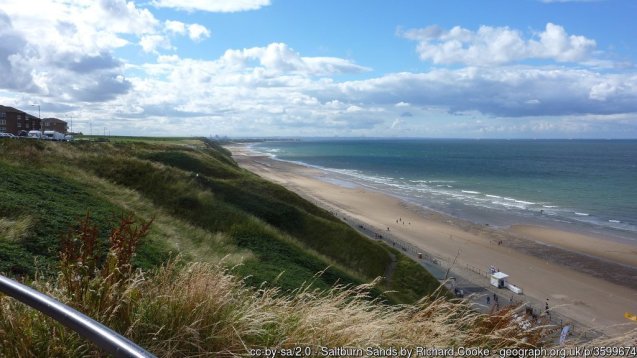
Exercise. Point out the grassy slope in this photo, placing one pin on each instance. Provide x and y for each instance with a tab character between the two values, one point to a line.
205	207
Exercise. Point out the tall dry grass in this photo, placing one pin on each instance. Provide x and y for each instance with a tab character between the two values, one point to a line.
200	310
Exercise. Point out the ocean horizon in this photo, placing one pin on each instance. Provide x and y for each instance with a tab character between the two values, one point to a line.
586	185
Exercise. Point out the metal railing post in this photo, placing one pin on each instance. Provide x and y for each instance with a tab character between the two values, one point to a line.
104	337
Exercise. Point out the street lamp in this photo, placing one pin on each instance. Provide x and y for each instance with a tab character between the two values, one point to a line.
39	117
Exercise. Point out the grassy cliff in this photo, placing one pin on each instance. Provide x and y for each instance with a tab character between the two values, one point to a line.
205	208
170	243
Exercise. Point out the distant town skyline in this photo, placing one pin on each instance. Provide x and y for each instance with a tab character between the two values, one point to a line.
461	69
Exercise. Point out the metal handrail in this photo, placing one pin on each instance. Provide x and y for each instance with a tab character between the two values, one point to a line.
104	337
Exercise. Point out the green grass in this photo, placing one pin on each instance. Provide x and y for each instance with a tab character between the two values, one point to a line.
205	208
49	205
180	194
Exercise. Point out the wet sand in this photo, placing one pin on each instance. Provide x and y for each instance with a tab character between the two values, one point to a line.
591	280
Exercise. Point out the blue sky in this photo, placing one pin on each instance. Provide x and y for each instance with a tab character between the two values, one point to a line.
474	69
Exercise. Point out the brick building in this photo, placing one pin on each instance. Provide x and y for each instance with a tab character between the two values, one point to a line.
14	121
54	124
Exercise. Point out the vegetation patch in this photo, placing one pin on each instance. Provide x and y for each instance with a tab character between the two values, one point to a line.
199	309
205	208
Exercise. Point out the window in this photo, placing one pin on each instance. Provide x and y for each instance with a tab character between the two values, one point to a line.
3	114
2	129
19	116
3	121
19	124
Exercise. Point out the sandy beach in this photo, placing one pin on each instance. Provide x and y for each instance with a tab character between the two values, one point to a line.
590	280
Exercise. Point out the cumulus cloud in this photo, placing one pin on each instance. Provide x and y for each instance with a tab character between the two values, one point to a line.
69	58
274	88
65	49
176	27
85	63
498	45
12	53
244	89
123	16
279	58
151	43
213	6
509	91
197	32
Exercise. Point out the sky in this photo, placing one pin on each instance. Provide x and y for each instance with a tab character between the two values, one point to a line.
250	68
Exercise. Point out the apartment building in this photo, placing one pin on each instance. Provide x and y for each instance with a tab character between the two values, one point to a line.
14	121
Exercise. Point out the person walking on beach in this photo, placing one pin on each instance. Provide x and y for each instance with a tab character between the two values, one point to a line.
488	300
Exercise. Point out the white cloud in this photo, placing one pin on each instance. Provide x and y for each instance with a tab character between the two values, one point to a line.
273	90
176	27
213	5
197	32
501	91
280	58
67	61
40	51
70	41
167	58
498	45
151	43
121	16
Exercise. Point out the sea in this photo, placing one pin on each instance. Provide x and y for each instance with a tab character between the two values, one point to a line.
583	185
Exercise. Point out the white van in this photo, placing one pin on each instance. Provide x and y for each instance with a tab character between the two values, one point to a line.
35	134
52	135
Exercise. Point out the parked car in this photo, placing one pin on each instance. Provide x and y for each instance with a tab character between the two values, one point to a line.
23	133
6	135
68	138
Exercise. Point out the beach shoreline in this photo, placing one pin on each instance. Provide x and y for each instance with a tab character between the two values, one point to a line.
470	200
584	278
